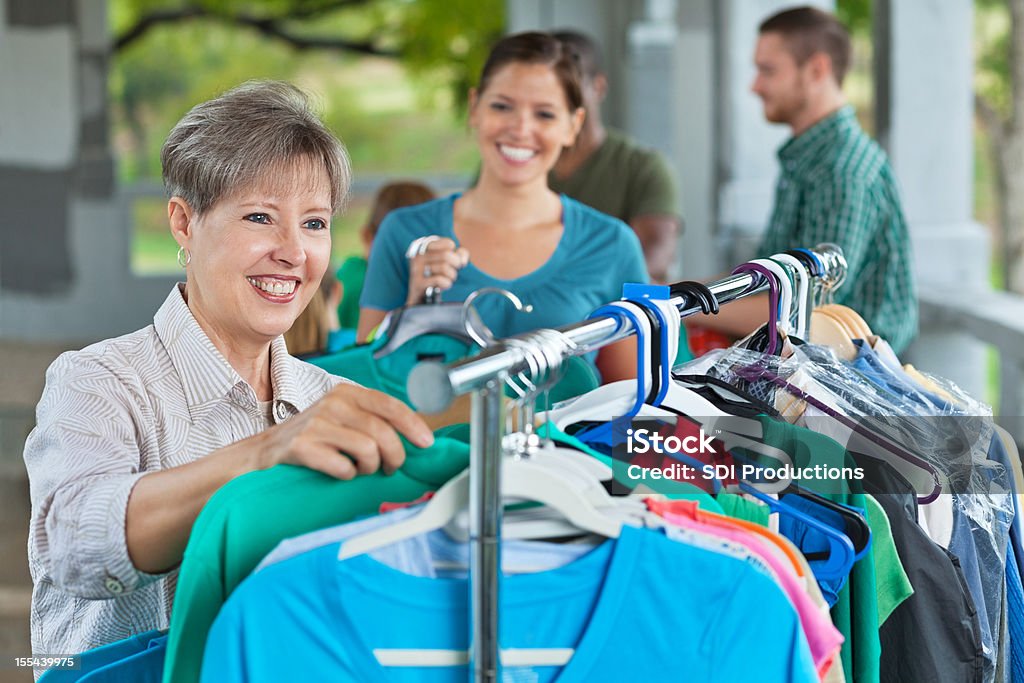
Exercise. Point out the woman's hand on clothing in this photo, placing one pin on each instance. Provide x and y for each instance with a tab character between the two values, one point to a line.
438	266
351	430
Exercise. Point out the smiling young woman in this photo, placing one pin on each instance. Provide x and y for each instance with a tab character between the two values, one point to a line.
510	230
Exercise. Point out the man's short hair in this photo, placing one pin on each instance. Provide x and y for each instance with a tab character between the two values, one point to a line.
585	49
808	31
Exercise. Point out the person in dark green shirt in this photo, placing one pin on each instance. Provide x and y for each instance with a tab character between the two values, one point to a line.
835	183
608	171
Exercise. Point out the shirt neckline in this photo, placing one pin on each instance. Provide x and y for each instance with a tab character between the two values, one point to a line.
205	375
617	575
538	276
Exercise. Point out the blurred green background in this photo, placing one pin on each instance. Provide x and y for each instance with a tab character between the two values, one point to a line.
396	98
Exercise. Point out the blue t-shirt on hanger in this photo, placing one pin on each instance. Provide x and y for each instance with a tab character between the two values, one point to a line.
137	659
640	607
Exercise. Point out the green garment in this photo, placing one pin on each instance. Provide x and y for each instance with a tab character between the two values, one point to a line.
836	185
251	514
739	507
855	613
622	179
388	374
351	275
893	584
684	354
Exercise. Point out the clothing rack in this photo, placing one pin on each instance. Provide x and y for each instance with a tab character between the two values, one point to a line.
433	386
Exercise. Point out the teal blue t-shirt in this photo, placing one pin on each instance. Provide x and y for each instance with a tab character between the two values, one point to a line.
389	374
641	607
596	255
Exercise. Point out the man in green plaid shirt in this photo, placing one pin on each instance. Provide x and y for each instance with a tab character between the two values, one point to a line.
835	183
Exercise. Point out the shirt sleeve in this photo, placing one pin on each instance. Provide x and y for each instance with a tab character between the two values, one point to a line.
387	274
652	187
83	459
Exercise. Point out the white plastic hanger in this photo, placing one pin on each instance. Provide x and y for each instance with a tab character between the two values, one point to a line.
616	399
523	480
803	302
549	522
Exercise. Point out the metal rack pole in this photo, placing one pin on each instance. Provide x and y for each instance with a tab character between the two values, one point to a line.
433	386
485	531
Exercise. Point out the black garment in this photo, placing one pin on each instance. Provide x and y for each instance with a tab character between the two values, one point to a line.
934	635
748	406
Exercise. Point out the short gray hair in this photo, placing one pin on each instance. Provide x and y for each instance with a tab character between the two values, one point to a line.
242	136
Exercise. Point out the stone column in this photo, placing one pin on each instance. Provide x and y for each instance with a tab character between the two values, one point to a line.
746	142
38	144
65	238
696	154
925	119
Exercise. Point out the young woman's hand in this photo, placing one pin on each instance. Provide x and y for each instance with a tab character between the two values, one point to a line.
438	266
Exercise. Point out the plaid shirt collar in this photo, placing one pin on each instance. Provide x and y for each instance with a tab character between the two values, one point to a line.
800	151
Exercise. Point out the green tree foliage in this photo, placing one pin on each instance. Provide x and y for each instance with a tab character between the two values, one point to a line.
432	36
992	61
855	15
170	54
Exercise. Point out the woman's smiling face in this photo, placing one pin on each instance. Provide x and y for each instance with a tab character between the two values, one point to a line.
522	121
258	255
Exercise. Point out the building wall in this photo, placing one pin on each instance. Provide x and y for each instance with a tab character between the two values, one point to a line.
64	241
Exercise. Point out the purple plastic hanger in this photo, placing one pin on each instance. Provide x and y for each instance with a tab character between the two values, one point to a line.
773	298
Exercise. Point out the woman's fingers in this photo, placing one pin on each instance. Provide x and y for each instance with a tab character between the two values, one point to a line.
323	458
365	424
438	266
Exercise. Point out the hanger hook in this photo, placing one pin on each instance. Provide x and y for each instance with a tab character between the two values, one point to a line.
539	363
785	290
556	347
705	298
485	337
418	247
801	298
835	268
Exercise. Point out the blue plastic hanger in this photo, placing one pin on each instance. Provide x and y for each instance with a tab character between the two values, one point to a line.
819	267
841	555
643	355
643	296
849	520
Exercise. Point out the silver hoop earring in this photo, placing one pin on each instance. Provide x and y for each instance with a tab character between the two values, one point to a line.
184	257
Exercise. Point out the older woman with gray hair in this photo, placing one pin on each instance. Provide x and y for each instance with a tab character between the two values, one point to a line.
134	434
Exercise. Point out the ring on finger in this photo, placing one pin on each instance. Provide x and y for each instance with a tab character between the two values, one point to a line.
427	272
